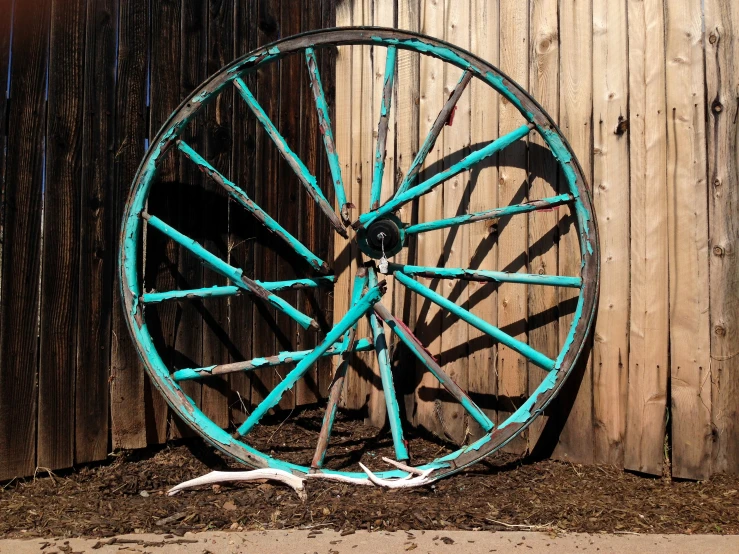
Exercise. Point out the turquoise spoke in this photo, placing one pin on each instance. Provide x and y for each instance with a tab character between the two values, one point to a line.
463	165
415	346
263	217
236	275
188	374
434	132
484	275
337	383
387	97
495	213
218	291
522	348
309	181
273	398
324	123
386	375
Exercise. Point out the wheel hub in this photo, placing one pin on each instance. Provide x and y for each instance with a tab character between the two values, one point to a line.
383	237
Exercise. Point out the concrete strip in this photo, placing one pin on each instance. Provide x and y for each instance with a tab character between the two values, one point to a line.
362	542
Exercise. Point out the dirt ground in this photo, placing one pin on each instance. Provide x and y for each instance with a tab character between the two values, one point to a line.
127	495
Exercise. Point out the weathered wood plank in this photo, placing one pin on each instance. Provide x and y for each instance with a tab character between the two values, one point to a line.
127	412
406	105
97	251
722	102
430	246
218	140
24	174
575	403
648	334
456	191
690	363
512	231
611	200
60	256
241	226
543	233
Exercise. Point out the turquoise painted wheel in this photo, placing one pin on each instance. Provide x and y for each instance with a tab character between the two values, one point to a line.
379	233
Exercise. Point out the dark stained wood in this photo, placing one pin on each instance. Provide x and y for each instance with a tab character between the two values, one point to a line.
60	257
127	414
5	24
20	299
97	242
267	163
218	130
241	225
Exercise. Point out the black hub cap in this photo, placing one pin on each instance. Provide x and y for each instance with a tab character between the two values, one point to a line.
383	235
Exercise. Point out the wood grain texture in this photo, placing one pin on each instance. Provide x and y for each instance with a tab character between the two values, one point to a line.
406	106
218	130
96	240
61	253
241	246
512	231
649	311
127	412
575	404
22	235
690	364
430	207
456	195
722	103
543	171
611	198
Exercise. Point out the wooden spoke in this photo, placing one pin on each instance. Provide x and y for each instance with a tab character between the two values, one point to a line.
353	315
337	384
441	120
305	176
496	213
463	165
522	348
324	123
242	198
387	97
188	374
484	275
218	291
386	375
236	275
415	346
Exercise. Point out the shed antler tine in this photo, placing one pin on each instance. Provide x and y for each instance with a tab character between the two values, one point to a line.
404	467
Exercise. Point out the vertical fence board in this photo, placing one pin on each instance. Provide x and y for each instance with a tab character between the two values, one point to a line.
543	232
430	207
267	163
611	200
127	412
60	220
512	231
483	235
406	105
722	101
97	245
690	364
6	20
22	247
456	195
575	121
240	243
218	139
648	324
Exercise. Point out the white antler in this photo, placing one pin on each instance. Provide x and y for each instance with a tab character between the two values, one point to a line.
402	483
297	483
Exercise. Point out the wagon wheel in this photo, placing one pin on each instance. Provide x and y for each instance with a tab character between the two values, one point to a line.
378	233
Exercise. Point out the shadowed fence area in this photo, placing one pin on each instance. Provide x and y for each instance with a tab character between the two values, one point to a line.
646	92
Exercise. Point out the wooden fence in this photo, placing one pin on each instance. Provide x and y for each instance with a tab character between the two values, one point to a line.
646	91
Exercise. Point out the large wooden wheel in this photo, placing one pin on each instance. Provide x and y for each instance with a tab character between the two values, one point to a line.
379	233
